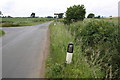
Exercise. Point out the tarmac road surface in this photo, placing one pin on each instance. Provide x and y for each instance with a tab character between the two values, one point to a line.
24	50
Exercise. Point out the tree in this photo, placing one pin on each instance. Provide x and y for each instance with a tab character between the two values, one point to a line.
32	15
99	16
49	17
76	12
110	17
0	13
60	15
91	15
9	16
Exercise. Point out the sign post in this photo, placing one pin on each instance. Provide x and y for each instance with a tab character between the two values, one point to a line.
69	53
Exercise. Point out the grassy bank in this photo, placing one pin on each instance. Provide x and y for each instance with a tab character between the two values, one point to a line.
14	22
1	32
96	49
56	67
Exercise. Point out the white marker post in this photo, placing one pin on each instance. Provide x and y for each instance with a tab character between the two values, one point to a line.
69	53
54	24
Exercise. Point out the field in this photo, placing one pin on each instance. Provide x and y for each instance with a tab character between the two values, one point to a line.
14	22
96	49
113	20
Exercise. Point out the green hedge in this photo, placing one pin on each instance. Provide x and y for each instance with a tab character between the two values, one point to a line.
99	41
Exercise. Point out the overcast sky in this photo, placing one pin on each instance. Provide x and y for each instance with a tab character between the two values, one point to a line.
42	8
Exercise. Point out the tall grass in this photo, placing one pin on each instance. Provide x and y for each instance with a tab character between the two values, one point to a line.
56	67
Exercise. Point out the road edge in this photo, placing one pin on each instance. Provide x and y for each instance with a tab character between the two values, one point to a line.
45	54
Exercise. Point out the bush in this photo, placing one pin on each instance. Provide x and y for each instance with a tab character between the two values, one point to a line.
99	41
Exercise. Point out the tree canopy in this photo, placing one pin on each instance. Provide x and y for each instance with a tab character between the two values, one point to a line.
76	12
91	15
32	15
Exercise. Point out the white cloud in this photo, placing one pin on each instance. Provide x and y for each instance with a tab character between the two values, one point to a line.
48	7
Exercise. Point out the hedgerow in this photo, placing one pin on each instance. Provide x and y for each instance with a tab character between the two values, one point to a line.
99	41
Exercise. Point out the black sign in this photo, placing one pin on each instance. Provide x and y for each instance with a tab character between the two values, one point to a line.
70	47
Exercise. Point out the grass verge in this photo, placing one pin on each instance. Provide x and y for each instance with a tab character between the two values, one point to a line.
56	67
1	32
